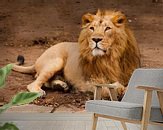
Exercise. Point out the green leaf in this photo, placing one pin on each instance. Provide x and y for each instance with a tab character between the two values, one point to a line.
20	99
24	98
4	72
8	126
5	107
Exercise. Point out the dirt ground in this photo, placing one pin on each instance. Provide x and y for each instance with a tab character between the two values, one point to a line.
28	27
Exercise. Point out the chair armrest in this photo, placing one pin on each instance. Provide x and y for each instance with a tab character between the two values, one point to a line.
105	85
148	88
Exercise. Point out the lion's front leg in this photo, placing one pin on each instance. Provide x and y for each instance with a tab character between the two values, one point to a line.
120	89
45	74
37	84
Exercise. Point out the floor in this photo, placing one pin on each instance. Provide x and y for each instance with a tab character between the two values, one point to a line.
58	121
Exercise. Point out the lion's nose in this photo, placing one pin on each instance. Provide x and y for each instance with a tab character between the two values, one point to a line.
97	39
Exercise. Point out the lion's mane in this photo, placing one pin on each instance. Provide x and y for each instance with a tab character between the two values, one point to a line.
117	64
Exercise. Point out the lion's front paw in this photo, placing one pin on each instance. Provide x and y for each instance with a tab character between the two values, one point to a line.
36	89
120	89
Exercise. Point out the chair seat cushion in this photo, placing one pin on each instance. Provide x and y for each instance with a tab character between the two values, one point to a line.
125	110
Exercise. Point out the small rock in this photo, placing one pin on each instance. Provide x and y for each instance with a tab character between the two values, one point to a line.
82	106
78	2
78	100
130	21
56	104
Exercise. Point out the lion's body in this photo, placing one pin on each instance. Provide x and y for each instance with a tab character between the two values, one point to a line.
69	52
106	52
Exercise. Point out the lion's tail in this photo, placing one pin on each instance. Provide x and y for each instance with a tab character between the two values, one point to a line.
22	69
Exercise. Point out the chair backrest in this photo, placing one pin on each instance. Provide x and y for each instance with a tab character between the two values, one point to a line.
143	77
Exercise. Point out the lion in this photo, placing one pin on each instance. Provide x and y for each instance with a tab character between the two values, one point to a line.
106	52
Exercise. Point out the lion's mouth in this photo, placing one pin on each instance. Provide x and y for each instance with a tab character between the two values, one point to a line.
98	51
98	48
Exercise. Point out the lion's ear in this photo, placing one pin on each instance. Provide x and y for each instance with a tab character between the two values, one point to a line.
87	18
119	20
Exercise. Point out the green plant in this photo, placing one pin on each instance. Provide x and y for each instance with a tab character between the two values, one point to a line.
19	99
4	72
8	126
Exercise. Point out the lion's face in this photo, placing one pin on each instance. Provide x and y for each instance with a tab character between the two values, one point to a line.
100	31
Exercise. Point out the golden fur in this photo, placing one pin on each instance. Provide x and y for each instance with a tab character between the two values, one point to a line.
106	52
122	55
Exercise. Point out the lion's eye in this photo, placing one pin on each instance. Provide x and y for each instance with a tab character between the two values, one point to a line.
91	28
107	28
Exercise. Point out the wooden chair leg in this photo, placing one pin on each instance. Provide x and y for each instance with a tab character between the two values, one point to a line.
95	119
97	94
160	98
124	125
112	94
146	109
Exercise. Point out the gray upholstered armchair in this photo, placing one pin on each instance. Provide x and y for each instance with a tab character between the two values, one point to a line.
142	103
